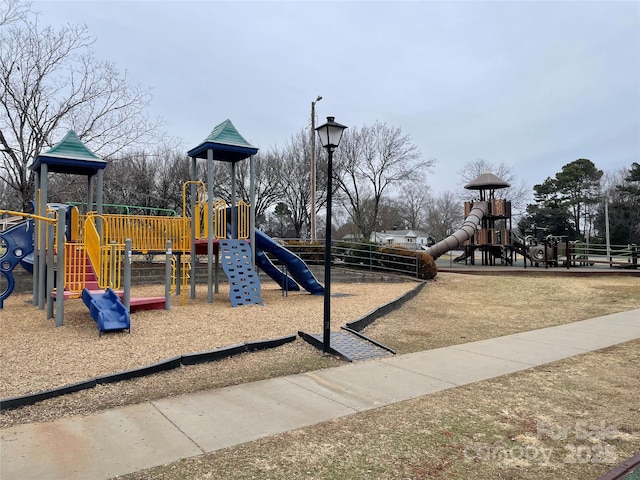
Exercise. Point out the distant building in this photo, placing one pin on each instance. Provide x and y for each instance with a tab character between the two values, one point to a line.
409	239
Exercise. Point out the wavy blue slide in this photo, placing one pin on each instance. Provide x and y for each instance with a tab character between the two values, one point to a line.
107	310
295	265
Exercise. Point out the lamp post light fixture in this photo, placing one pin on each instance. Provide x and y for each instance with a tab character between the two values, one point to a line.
330	134
313	168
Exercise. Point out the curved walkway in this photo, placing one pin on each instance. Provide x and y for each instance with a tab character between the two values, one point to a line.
136	437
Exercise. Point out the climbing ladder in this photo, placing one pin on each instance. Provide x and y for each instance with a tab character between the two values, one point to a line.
244	283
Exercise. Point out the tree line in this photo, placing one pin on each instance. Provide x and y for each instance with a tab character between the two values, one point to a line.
52	82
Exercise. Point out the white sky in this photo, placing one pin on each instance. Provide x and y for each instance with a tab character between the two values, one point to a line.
533	84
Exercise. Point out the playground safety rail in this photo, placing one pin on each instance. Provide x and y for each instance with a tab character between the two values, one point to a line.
147	233
127	209
359	256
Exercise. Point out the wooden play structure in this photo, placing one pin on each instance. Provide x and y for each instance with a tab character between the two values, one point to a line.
487	226
492	237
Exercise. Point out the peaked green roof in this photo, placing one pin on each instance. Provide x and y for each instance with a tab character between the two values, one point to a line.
227	144
71	147
70	156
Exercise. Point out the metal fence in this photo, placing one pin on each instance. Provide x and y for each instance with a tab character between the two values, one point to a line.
359	256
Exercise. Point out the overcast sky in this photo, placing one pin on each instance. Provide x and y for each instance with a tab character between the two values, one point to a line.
533	84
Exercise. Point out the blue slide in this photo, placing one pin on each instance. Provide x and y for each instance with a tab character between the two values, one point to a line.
107	310
16	243
267	266
295	266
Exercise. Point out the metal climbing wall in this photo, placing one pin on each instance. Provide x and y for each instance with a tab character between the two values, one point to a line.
244	283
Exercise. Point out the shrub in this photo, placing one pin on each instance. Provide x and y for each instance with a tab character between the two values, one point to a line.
427	268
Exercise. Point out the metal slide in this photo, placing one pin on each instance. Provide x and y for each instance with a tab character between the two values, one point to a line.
468	229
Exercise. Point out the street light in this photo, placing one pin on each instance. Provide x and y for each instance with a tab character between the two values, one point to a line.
330	134
313	168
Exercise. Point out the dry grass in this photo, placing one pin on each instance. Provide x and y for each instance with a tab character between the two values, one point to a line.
465	308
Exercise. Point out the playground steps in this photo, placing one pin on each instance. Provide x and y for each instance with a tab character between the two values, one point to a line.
244	282
78	267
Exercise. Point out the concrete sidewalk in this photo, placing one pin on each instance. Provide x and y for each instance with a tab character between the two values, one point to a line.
132	438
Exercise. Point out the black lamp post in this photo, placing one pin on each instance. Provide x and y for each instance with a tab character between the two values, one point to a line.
330	134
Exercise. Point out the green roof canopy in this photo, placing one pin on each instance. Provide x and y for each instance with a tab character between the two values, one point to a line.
70	156
227	144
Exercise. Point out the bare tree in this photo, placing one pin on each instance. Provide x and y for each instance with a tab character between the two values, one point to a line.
12	11
296	180
51	82
369	163
268	177
444	215
414	203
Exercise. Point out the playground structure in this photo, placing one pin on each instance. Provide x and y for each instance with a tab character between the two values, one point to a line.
487	226
487	229
92	251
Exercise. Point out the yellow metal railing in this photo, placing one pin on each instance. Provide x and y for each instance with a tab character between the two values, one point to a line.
147	233
92	243
109	272
200	196
106	258
75	271
186	269
244	231
174	263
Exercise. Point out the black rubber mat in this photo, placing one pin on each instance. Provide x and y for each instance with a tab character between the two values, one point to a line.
352	347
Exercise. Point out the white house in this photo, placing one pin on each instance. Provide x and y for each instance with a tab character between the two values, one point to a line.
409	239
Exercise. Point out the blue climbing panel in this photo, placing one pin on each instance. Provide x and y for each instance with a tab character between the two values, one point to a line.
244	283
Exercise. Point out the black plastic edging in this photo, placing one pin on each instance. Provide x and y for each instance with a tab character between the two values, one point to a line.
314	342
212	355
162	366
264	344
14	402
628	466
370	340
385	309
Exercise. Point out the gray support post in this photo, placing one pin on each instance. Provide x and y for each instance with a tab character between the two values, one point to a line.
167	275
36	236
210	226
42	247
194	200
89	193
252	208
60	276
126	299
234	203
50	269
